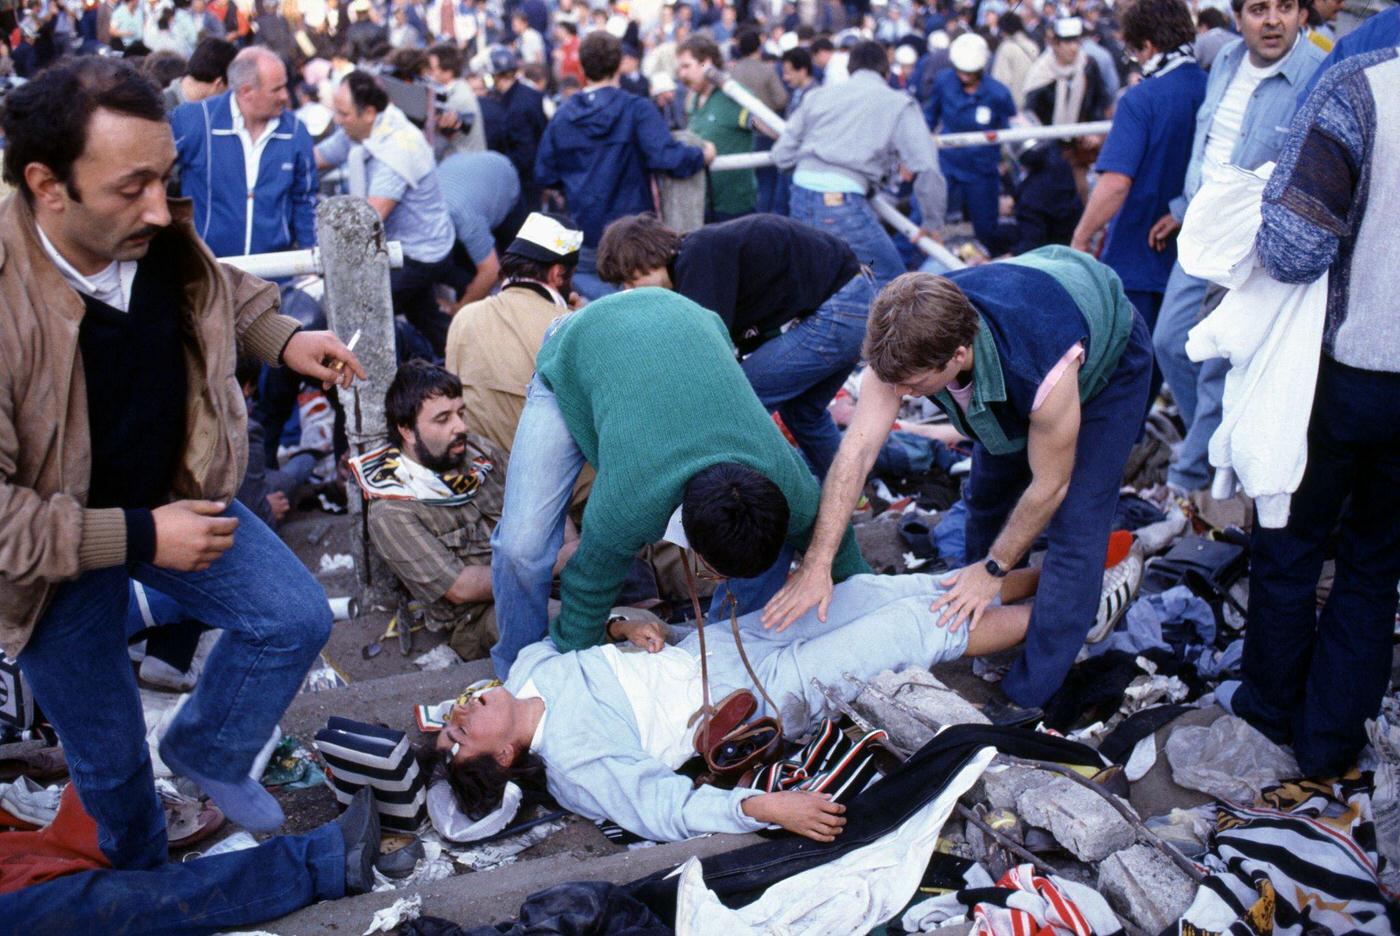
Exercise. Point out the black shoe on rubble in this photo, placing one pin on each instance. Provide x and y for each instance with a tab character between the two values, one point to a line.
359	825
1004	713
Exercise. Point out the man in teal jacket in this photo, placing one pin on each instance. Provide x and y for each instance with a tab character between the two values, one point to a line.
644	386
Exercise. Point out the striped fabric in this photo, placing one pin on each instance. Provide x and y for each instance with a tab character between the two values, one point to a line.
1024	903
359	755
1302	862
832	762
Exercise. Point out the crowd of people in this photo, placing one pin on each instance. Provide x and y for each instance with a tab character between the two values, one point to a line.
596	394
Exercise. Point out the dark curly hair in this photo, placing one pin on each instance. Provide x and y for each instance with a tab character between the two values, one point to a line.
479	783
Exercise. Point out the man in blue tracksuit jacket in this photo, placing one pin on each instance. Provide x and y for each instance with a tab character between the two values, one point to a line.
601	147
246	161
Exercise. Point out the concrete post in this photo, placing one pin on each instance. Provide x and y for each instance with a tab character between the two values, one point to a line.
356	262
683	200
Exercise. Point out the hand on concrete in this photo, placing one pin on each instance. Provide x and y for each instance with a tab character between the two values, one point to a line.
1162	232
191	534
809	587
972	589
812	815
315	354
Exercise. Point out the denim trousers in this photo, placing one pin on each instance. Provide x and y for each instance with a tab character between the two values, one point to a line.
1315	679
205	895
850	218
1067	599
275	620
875	623
1197	387
979	200
798	372
545	461
1149	306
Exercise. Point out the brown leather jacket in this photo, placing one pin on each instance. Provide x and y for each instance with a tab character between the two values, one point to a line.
47	534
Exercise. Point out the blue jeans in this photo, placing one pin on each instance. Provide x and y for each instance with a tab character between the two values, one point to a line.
1067	599
586	281
767	177
874	623
850	218
798	372
979	200
1316	679
275	620
545	461
1149	306
1196	387
206	895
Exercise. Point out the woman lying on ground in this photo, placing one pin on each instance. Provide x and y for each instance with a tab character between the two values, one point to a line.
609	726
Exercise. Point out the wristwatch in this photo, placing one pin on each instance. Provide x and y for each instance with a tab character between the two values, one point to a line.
994	568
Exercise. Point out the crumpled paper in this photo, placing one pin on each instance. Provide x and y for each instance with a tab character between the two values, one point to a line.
1385	800
396	914
1229	760
439	658
433	866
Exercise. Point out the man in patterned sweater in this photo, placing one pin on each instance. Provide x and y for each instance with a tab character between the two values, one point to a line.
1330	208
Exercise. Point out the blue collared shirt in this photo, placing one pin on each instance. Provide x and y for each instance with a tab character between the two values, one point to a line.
1266	119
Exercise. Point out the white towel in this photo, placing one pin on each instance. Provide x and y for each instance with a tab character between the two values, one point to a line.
1270	332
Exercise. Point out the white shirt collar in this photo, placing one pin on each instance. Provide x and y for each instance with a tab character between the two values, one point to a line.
111	285
240	126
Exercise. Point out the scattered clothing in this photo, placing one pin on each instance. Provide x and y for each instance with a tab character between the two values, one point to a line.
1229	760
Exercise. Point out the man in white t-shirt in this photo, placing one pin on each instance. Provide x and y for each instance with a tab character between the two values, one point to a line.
1243	121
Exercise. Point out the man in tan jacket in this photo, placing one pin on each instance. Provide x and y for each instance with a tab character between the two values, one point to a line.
122	441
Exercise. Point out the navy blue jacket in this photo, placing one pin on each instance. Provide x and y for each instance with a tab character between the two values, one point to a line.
281	212
600	148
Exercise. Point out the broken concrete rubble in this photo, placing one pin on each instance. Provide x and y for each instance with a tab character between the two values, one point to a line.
918	691
1144	886
1079	819
1003	786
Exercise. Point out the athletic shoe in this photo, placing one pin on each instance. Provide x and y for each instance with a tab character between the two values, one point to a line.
1120	586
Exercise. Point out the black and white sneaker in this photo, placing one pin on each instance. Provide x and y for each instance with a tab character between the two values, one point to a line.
1120	586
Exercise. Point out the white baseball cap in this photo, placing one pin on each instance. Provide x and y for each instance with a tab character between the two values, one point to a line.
969	53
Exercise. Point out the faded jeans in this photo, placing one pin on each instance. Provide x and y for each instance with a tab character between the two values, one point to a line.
205	895
850	218
875	623
1197	387
275	620
798	372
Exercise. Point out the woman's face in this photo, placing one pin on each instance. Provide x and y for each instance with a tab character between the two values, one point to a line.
481	726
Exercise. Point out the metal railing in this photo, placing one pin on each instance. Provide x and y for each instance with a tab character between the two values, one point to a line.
288	263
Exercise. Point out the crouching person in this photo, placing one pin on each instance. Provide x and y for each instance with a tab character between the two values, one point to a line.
436	495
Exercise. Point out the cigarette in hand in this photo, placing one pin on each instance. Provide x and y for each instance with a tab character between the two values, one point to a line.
339	365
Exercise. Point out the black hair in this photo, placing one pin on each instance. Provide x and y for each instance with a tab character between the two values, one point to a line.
210	60
46	120
449	58
366	91
1166	24
822	44
163	67
736	518
600	55
519	266
1010	23
799	59
479	783
1211	18
416	382
868	54
747	40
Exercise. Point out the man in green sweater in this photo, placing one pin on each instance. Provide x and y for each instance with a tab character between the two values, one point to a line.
645	387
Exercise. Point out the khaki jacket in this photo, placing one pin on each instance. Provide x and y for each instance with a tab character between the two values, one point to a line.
491	347
47	534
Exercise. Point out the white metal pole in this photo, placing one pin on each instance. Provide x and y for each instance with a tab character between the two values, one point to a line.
288	263
1018	134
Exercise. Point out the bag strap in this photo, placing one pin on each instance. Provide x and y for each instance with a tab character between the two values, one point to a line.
705	709
733	604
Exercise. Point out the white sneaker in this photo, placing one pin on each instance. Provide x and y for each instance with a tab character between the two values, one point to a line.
30	802
159	674
1120	585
